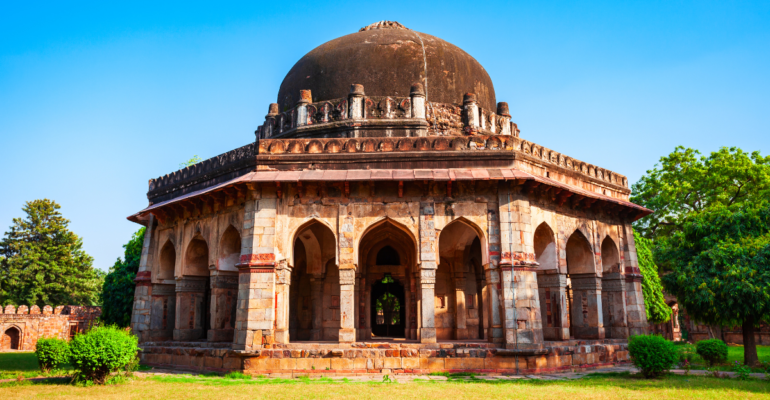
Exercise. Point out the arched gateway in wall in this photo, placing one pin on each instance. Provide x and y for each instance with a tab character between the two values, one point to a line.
388	216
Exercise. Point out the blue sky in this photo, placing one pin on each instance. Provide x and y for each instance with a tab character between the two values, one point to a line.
97	98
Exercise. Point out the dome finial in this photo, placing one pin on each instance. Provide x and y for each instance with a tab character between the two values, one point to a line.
383	25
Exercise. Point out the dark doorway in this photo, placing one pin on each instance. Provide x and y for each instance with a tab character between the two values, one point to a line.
388	308
10	339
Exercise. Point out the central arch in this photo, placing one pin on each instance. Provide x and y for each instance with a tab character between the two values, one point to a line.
585	289
386	261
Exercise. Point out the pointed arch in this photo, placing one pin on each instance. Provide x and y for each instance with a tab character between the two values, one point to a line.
11	338
196	258
314	244
610	256
229	249
544	242
465	238
379	222
167	261
580	258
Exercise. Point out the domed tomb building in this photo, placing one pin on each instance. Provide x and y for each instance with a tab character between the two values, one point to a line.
388	217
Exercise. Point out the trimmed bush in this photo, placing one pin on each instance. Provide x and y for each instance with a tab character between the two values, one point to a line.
101	351
51	353
714	351
652	354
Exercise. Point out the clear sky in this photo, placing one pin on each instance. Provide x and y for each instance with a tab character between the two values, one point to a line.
95	99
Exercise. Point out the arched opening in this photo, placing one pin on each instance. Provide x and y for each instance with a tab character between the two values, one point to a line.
224	287
167	261
388	312
584	289
197	258
551	285
387	301
194	298
613	292
314	295
610	257
11	339
458	290
229	250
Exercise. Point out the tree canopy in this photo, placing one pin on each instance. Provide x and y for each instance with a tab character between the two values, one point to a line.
710	234
42	262
118	291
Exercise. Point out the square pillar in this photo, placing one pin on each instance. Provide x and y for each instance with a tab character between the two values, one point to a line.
347	306
162	313
586	309
461	329
528	320
224	297
255	316
190	308
495	331
552	288
614	306
282	286
427	289
141	312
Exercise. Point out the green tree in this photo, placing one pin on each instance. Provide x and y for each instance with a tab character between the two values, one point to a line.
44	263
194	160
658	311
685	183
118	290
720	267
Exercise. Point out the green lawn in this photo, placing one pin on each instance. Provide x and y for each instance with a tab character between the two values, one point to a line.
237	386
734	353
25	364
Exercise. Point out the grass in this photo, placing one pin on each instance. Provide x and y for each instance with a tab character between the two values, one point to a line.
25	364
236	385
734	353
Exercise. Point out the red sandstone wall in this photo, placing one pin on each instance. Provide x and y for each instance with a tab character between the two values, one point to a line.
29	325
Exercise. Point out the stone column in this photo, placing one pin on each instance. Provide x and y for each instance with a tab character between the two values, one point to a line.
552	288
347	306
418	302
141	311
614	306
190	308
224	298
471	113
461	329
428	266
504	117
587	319
417	93
254	319
162	316
635	310
282	287
301	113
527	317
356	101
427	289
316	300
495	332
271	122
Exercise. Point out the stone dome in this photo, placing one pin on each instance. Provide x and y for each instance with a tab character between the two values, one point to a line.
387	59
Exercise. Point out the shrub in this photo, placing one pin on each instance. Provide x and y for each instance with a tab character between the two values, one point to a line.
714	351
51	353
652	354
686	352
101	351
